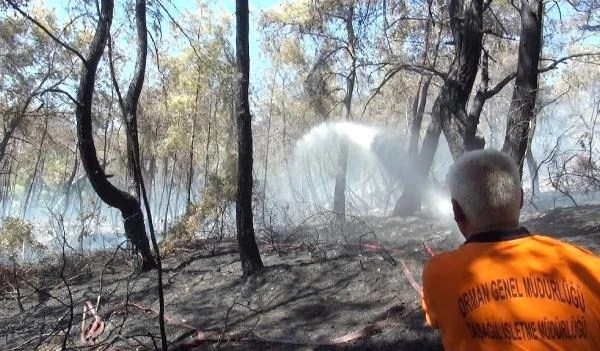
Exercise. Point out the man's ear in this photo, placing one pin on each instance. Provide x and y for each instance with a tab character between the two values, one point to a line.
459	215
521	198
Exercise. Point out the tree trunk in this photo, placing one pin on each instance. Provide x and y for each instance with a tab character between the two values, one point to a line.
133	218
9	187
169	190
151	174
8	133
532	164
69	184
13	124
450	106
249	254
132	99
339	195
35	170
471	141
449	109
266	166
190	175
206	151
420	100
522	106
339	198
410	201
419	103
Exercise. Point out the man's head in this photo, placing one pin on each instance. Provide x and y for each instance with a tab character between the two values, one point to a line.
486	191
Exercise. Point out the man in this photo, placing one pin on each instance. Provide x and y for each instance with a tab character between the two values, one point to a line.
506	288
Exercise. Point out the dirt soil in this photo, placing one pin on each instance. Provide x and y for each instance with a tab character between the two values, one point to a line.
319	291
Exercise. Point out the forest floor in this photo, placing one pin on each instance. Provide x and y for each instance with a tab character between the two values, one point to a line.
319	291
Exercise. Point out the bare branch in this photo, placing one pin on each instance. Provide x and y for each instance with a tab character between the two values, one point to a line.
113	76
404	67
495	90
60	91
556	62
592	28
491	32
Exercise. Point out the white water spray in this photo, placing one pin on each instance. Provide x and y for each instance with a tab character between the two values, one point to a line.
377	169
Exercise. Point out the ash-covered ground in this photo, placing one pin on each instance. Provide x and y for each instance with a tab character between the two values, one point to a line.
322	289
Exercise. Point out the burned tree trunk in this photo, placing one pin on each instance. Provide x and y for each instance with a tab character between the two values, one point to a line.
449	109
450	106
132	99
133	218
522	106
68	185
420	100
470	138
410	201
249	254
190	173
532	164
339	195
36	170
418	111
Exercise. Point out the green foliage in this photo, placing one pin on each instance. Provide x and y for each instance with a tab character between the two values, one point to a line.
220	193
16	233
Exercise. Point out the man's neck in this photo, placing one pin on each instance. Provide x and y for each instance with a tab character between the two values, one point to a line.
496	227
498	235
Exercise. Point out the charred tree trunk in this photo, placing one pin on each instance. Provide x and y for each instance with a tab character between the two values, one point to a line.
420	100
450	106
266	165
206	152
190	175
35	170
526	84
133	218
8	133
449	109
8	187
249	254
418	111
20	114
471	140
169	190
532	164
151	171
132	99
69	185
410	201
339	196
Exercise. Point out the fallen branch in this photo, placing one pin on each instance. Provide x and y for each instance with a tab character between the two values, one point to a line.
167	319
429	250
95	330
200	337
410	278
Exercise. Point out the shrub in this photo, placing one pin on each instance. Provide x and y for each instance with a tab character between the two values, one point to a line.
16	235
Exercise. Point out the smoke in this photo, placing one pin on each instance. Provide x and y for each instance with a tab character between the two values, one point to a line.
378	167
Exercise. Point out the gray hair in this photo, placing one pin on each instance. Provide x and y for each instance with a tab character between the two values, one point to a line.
487	186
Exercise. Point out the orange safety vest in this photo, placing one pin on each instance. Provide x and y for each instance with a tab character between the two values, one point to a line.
512	290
